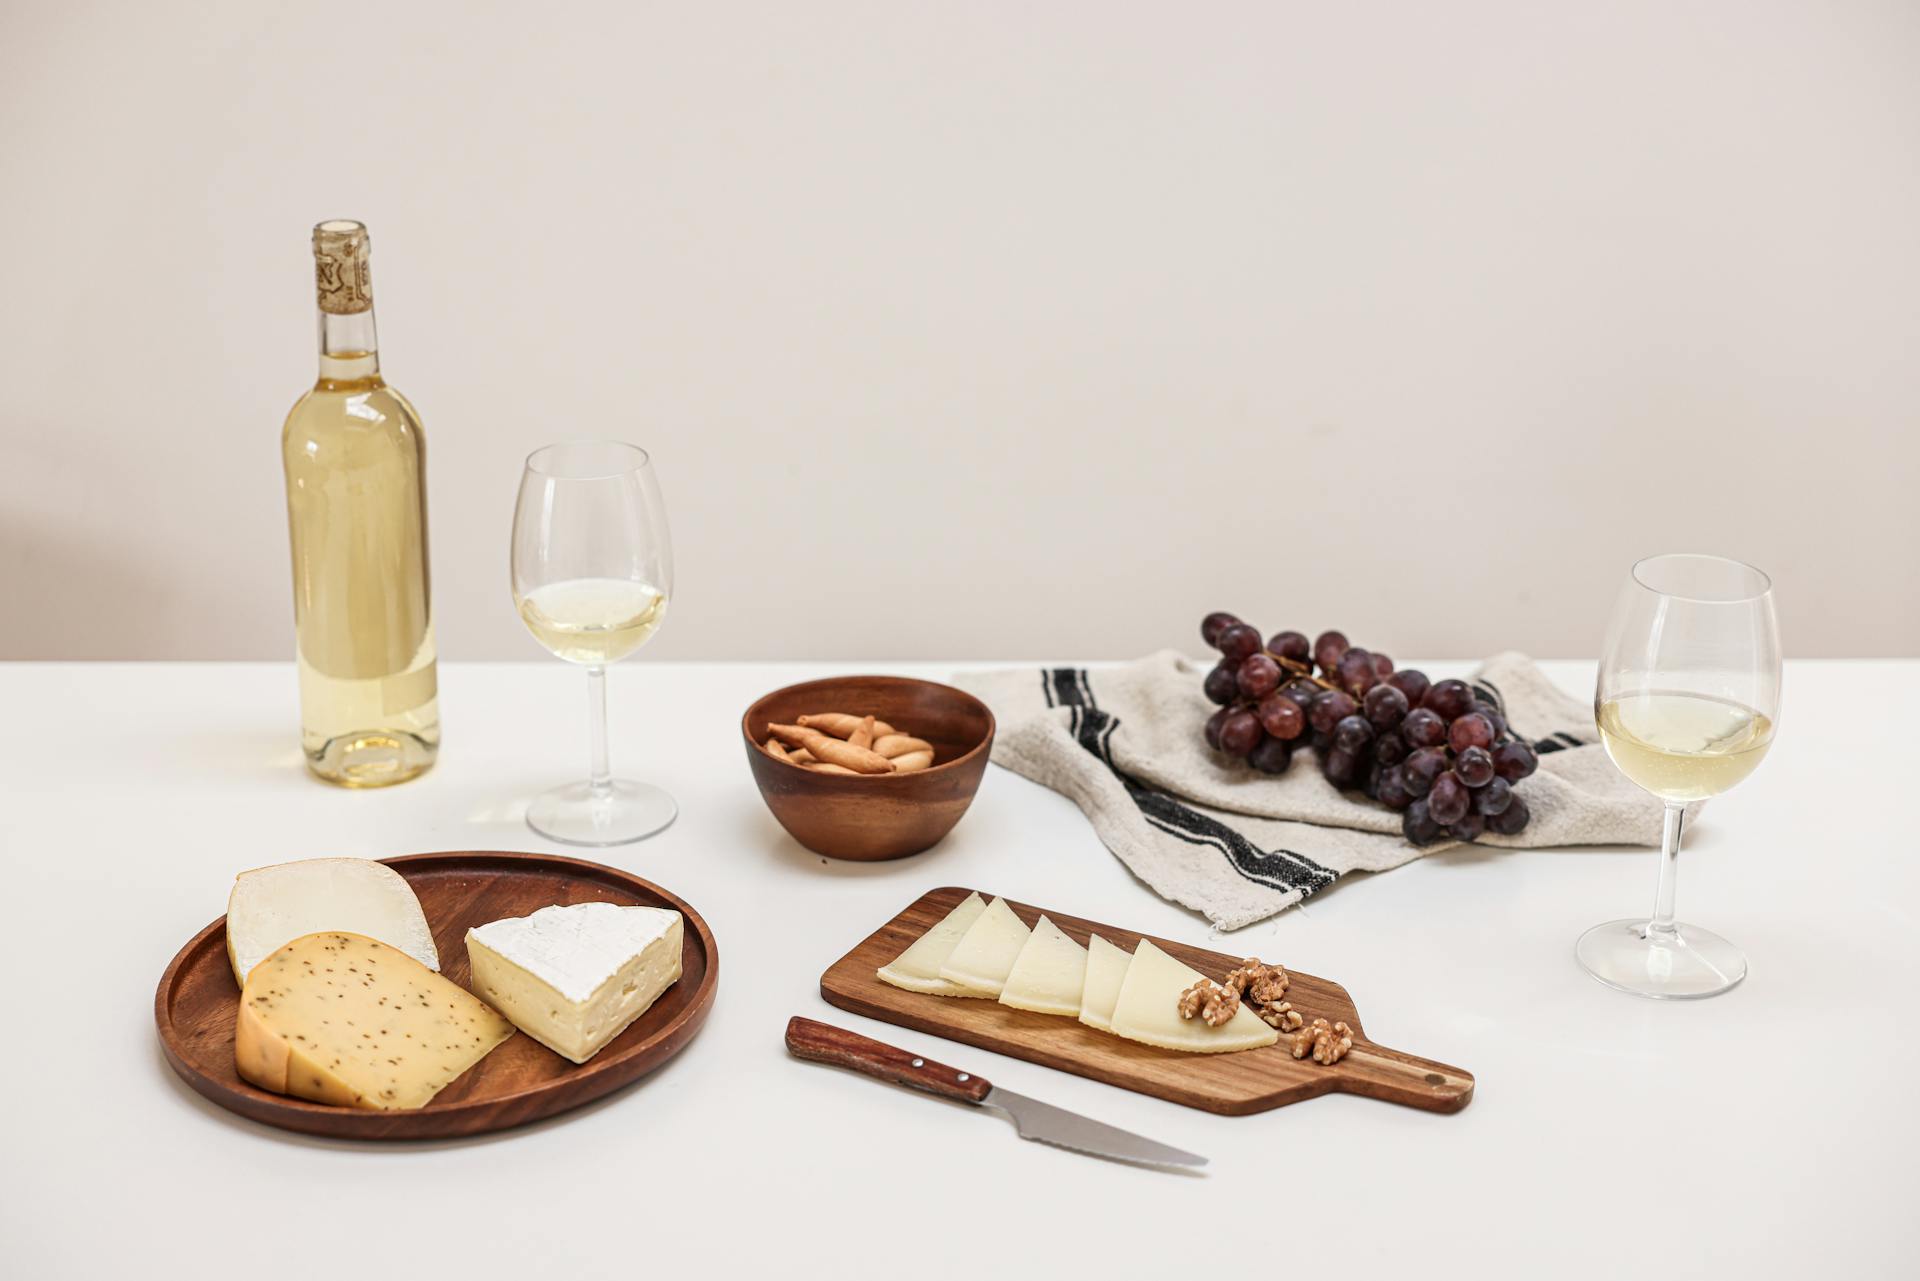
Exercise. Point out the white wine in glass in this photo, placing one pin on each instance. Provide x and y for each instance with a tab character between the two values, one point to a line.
1686	701
592	570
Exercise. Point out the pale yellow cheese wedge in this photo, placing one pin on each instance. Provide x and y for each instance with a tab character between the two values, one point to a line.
986	952
918	968
1106	969
345	1019
272	906
1148	1010
1048	974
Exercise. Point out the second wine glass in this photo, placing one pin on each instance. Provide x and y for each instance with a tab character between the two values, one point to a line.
592	570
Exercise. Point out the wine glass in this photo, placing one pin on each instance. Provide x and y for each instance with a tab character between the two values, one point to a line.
1687	700
592	570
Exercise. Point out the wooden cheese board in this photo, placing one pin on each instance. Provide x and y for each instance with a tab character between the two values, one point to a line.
198	1000
1230	1084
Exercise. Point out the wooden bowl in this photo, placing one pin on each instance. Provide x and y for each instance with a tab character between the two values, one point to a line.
883	815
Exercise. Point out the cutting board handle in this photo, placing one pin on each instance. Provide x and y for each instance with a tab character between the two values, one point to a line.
825	1043
1379	1073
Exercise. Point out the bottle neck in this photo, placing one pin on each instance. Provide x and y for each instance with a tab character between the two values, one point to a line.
349	350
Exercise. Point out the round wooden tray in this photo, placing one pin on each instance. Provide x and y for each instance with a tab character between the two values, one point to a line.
198	1001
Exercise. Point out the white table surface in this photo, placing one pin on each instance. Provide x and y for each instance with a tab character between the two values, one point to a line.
1770	1132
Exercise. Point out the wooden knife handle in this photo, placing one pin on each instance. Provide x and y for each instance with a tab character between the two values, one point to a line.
825	1043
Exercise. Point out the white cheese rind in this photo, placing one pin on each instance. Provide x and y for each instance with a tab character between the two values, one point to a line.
272	906
1148	1010
985	954
573	978
918	968
1106	970
344	1019
1048	975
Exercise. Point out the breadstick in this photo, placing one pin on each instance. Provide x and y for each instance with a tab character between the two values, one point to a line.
832	750
821	767
892	745
908	762
863	736
800	755
774	749
840	724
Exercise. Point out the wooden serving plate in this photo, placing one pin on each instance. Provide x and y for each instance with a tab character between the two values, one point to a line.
1230	1084
198	1001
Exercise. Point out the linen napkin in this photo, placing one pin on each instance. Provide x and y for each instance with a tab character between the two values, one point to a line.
1239	846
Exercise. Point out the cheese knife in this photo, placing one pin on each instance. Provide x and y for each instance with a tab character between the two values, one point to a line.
1042	1122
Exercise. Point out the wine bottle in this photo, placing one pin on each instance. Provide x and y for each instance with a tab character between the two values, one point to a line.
355	464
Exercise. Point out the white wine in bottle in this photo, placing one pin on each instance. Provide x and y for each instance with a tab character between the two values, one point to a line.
357	510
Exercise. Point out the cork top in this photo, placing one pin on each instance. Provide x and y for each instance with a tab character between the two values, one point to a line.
340	274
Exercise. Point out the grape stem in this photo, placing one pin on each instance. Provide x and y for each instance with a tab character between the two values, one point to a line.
1299	669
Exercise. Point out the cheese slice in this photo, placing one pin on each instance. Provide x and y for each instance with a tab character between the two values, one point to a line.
1106	968
918	968
342	1018
272	906
1148	1010
1049	973
985	954
573	978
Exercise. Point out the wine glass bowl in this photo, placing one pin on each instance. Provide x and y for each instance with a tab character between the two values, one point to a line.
1687	700
592	575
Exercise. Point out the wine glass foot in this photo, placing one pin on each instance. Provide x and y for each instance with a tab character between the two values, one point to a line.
624	811
1688	964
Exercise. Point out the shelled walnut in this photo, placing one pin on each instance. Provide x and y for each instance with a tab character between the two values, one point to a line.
1327	1042
1263	987
1216	1004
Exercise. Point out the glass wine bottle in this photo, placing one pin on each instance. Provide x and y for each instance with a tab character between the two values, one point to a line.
355	464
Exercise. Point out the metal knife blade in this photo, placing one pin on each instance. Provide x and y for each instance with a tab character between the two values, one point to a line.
1045	1123
1032	1119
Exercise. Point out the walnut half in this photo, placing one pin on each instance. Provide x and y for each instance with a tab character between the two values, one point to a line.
1216	1004
1328	1043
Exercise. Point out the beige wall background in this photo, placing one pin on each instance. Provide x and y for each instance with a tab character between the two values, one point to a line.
984	330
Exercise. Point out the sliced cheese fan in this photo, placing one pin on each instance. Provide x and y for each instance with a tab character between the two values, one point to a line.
918	968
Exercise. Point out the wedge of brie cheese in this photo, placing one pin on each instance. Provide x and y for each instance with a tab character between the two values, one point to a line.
1148	1010
573	978
918	968
985	954
272	906
1106	968
1048	975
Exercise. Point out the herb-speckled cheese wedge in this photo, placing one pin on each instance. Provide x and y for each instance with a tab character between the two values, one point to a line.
345	1019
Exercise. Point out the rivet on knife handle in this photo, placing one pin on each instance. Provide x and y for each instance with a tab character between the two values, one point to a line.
824	1043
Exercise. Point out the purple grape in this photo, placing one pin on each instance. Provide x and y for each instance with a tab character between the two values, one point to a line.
1240	732
1327	649
1258	676
1412	682
1214	722
1371	783
1514	760
1447	800
1418	825
1213	624
1424	728
1471	730
1493	799
1451	699
1386	706
1281	717
1469	828
1330	708
1354	672
1390	748
1340	766
1382	666
1392	789
1292	646
1302	691
1222	685
1511	820
1271	757
1352	733
1422	768
1474	766
1238	641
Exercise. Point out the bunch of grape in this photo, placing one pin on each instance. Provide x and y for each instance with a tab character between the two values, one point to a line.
1428	749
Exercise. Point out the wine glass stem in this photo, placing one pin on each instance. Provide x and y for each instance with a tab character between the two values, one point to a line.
600	778
1661	926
